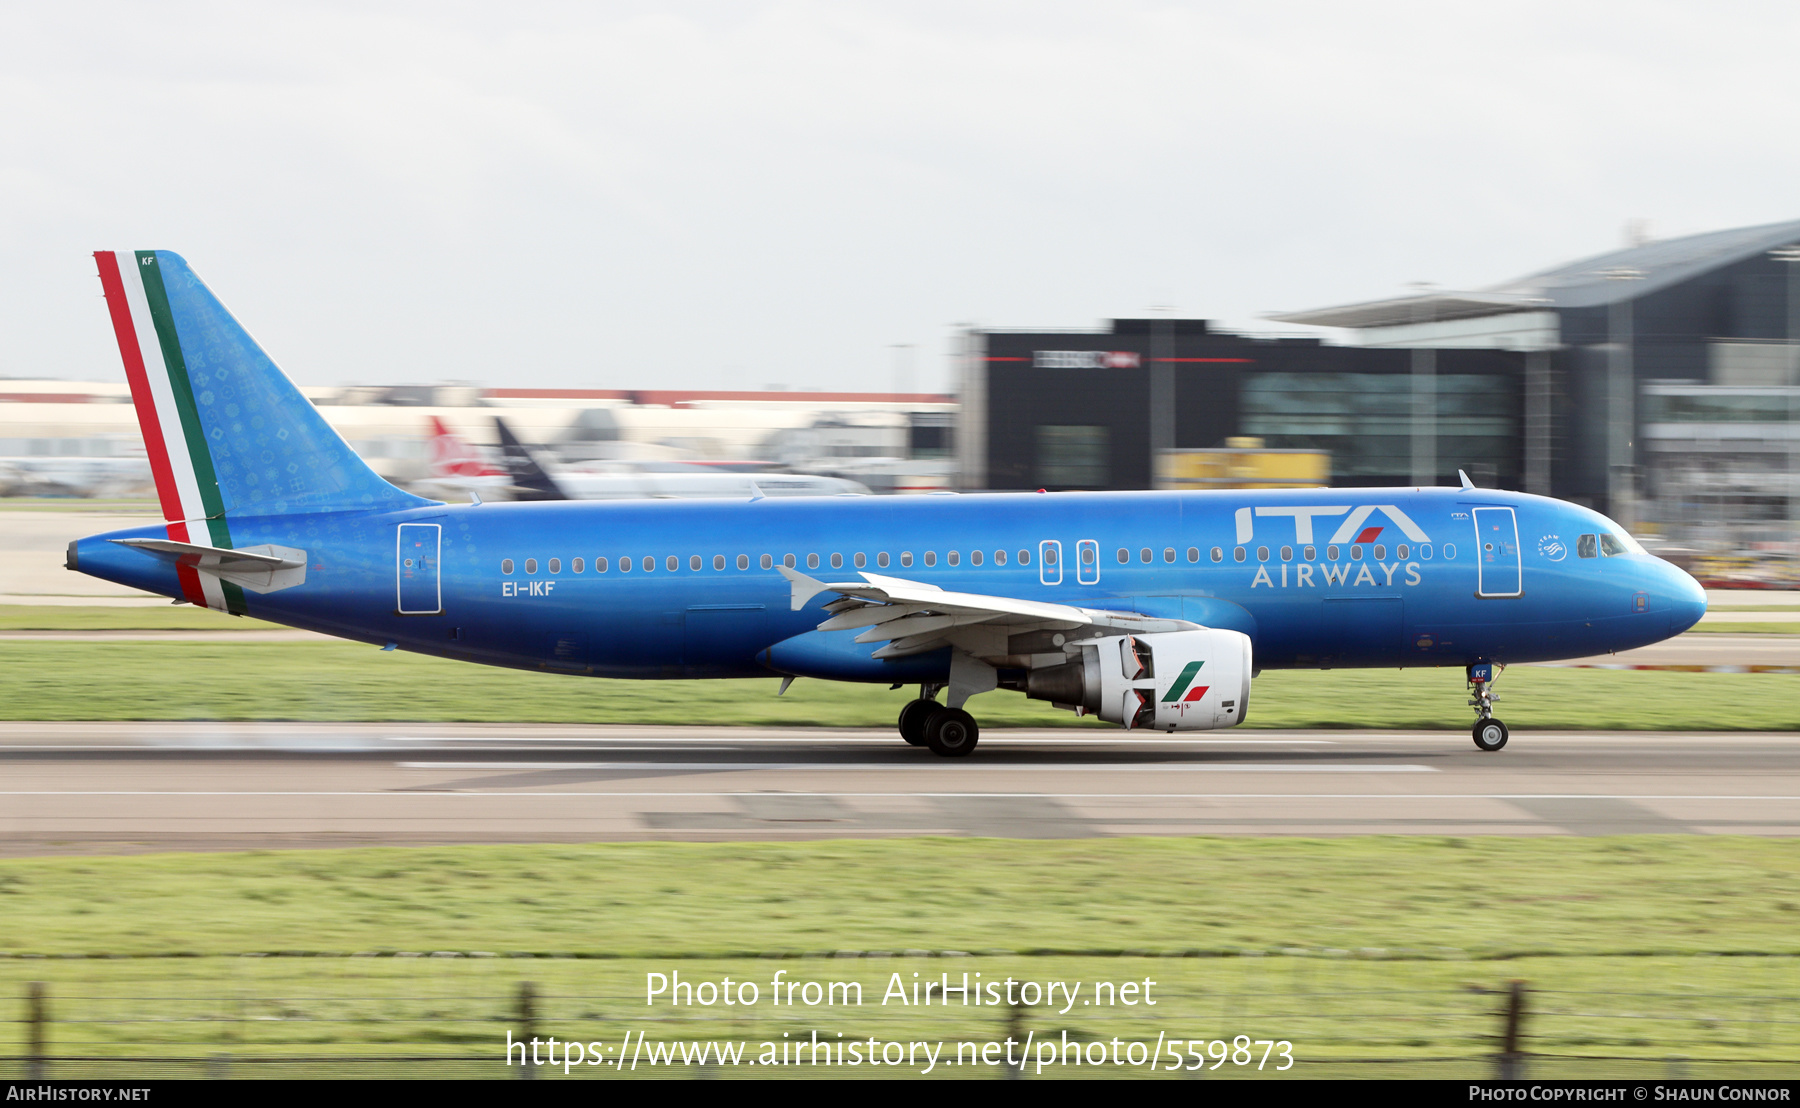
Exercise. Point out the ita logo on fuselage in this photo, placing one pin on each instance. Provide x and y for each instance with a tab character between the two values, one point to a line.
1355	528
1352	524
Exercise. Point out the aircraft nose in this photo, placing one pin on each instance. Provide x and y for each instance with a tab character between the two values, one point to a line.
1687	600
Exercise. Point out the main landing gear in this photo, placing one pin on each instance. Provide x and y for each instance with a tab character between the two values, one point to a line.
1489	733
949	732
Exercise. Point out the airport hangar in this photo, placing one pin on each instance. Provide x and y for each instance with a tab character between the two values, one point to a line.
1656	383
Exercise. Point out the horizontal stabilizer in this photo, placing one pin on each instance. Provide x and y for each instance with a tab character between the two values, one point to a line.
260	569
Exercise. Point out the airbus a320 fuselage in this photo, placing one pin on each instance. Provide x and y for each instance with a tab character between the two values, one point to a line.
1152	610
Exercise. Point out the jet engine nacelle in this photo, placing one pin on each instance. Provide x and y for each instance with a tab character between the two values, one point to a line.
1170	681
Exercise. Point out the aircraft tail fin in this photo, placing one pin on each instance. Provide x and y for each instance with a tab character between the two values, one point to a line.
226	432
531	481
453	457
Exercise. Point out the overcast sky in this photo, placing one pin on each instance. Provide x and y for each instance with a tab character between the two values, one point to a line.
735	194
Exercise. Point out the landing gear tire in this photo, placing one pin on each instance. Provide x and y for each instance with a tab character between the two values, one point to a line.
1489	734
951	733
913	718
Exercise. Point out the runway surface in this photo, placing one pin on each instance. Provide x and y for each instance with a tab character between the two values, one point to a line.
125	788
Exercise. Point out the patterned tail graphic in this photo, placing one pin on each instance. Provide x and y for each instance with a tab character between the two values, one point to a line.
227	434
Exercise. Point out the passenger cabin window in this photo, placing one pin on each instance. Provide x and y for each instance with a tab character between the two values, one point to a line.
625	564
812	561
531	565
718	561
600	565
648	563
788	560
952	558
506	566
556	565
906	557
1218	554
1402	552
578	565
1356	553
974	557
1238	553
768	561
1425	551
999	557
1262	553
1193	553
931	557
743	561
1585	547
1024	557
1124	555
1287	553
1331	553
860	560
1168	554
1381	552
672	563
1144	555
881	559
1310	554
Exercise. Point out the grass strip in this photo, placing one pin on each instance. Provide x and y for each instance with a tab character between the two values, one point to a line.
325	681
80	617
1475	897
1332	1009
1788	629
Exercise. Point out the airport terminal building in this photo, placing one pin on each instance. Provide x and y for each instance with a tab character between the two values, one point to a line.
1657	383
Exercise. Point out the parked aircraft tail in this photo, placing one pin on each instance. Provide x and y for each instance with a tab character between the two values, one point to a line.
531	481
225	430
452	457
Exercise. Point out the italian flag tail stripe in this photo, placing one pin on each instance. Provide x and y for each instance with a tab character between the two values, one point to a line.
193	510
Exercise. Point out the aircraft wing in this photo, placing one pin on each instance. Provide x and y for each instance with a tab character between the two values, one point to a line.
913	617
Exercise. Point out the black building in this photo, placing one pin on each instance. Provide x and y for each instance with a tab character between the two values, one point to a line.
1074	410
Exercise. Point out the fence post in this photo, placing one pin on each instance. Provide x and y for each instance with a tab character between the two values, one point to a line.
1511	1062
1015	1030
36	1015
527	1024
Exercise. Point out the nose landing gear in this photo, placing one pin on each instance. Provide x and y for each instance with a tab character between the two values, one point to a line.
1489	733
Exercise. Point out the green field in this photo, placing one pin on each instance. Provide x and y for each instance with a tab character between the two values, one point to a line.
1491	897
219	680
1371	955
165	617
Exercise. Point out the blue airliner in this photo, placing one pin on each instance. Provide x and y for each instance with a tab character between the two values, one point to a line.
1151	610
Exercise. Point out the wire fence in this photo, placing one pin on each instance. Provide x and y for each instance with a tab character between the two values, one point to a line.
1256	1016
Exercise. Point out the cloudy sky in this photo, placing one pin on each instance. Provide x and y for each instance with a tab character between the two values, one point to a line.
735	194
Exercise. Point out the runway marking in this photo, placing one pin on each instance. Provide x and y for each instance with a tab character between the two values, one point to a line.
910	793
865	740
1119	767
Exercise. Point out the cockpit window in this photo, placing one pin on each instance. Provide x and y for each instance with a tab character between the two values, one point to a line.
1610	545
1585	547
